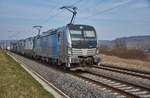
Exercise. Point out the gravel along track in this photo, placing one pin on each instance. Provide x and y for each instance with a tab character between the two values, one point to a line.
138	74
129	91
73	86
145	83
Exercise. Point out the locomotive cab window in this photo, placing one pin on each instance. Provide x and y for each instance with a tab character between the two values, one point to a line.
89	34
84	34
76	34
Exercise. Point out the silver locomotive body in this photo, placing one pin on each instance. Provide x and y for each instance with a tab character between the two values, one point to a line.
71	45
82	48
28	46
20	46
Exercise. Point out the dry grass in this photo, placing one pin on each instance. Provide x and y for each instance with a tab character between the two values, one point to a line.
17	83
126	53
126	63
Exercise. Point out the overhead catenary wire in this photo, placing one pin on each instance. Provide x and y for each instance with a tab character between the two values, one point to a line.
76	2
109	9
50	17
49	14
14	35
58	13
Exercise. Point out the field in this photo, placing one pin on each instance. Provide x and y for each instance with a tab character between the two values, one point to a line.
126	63
126	53
15	82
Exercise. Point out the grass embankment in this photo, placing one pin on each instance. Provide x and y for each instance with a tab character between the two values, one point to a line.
15	82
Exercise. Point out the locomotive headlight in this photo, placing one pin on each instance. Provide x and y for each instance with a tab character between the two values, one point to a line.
97	50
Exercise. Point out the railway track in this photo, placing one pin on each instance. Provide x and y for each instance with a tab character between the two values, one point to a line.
70	90
135	73
121	88
127	90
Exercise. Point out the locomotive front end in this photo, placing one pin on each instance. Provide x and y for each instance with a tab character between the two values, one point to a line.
83	50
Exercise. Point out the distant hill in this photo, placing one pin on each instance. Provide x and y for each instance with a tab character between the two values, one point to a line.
136	42
106	43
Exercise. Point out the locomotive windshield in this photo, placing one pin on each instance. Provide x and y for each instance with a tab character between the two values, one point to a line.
89	34
82	34
75	35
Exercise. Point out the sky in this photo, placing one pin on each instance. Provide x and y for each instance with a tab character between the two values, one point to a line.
111	18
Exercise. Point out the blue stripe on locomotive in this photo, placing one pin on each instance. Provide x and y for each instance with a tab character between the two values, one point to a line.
53	45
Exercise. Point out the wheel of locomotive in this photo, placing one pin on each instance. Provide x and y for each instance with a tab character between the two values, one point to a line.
98	63
65	67
58	62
